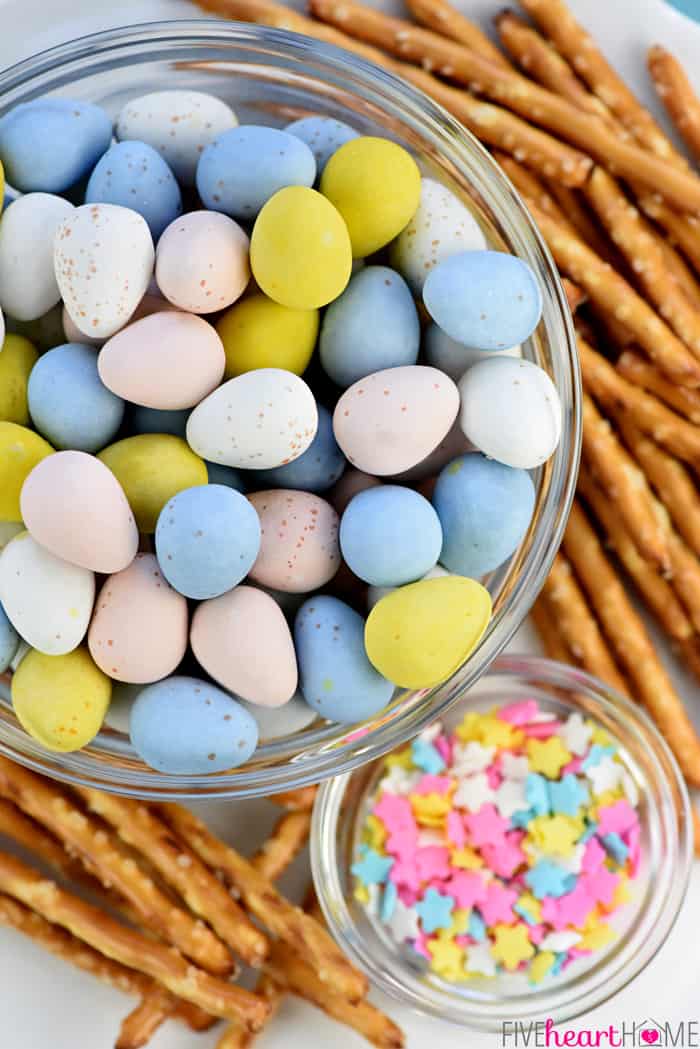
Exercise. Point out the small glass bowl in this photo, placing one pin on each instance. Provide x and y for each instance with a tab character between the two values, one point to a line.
642	925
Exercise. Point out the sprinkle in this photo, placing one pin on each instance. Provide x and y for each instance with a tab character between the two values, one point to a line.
485	826
403	842
466	859
373	868
467	888
506	857
514	766
601	885
471	757
404	874
555	835
480	960
548	756
433	861
519	713
617	818
456	831
512	945
430	809
375	832
426	757
473	792
498	905
403	922
605	776
540	966
399	781
537	793
459	924
596	754
394	812
596	938
447	959
560	941
559	961
529	908
489	730
571	908
548	879
430	784
476	927
567	795
576	734
511	797
435	910
615	847
389	902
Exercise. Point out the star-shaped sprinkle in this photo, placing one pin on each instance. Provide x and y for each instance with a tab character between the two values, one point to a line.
548	879
540	966
605	775
459	924
473	792
428	836
555	835
403	922
601	885
576	734
596	754
432	861
426	757
399	781
467	888
435	911
505	857
573	863
570	909
375	832
485	826
596	938
519	713
560	941
601	736
430	810
468	758
405	874
498	905
512	945
593	856
514	766
617	818
511	797
567	795
403	842
529	908
488	730
537	793
547	756
466	858
395	812
447	959
373	868
476	927
430	784
390	897
615	847
480	961
456	832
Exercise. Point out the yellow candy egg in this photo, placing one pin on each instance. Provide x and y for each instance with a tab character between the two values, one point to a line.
259	333
20	450
300	250
419	634
17	358
152	468
375	185
61	700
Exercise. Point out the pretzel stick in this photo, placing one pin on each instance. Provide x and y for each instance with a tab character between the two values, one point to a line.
685	567
302	798
676	92
142	1022
286	841
532	188
553	643
682	230
689	652
445	19
640	372
235	1037
696	827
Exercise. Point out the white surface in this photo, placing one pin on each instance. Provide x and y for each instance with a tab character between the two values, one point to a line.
48	1005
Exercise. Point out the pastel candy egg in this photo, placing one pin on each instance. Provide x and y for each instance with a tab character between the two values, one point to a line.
261	419
202	262
485	509
323	135
185	726
61	701
242	640
167	361
28	286
299	541
259	333
20	450
9	641
207	539
154	420
390	535
353	344
375	185
48	144
218	474
511	411
74	506
135	604
134	175
420	634
17	358
391	420
316	469
487	300
300	250
69	403
442	226
178	124
152	468
335	676
149	304
376	593
277	722
452	357
103	256
454	443
352	482
48	601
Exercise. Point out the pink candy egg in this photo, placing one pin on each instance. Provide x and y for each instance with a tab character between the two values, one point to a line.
299	548
202	262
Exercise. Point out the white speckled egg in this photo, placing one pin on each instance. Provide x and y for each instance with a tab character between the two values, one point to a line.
299	549
259	420
391	420
202	262
28	287
48	601
103	257
276	722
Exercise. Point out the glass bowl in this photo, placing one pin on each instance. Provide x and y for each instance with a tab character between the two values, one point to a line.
642	925
273	76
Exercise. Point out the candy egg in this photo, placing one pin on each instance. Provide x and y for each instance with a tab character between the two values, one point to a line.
20	450
152	468
60	700
261	419
317	469
259	333
134	175
442	226
335	676
9	641
246	166
299	541
149	304
127	607
452	357
178	124
48	601
375	185
420	634
202	262
352	344
323	135
391	420
45	332
152	420
511	411
390	535
300	250
69	403
276	722
17	358
103	256
487	300
376	593
188	727
242	640
49	143
352	482
28	286
485	509
454	443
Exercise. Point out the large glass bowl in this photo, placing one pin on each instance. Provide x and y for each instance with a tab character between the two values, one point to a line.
272	76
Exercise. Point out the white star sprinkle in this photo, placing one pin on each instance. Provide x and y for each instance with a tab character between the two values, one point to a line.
576	734
510	797
513	766
480	960
474	792
403	922
471	757
431	733
606	775
559	941
399	781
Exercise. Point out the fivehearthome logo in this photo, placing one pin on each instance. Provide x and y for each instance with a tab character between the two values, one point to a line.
628	1034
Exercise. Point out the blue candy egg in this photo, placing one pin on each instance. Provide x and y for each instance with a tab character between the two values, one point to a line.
185	726
373	325
323	135
335	676
245	166
68	402
9	641
227	475
207	539
484	509
316	469
390	535
134	175
486	300
158	420
50	143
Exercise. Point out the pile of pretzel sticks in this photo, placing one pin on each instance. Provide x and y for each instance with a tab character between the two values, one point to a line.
173	912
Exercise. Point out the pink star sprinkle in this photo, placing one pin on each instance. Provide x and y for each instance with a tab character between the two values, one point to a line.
403	842
616	818
432	862
430	784
601	885
408	896
571	909
486	827
405	872
505	857
394	811
519	713
456	832
537	933
467	888
593	857
541	729
498	905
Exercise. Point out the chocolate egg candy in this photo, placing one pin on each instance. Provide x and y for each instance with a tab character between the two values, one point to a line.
202	262
299	541
316	469
28	287
134	175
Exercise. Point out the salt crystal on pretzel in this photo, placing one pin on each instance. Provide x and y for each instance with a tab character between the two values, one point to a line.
447	20
676	92
639	371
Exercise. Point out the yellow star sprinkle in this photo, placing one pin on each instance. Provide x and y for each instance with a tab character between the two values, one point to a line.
555	835
532	905
447	959
488	730
596	938
512	945
467	859
591	923
460	924
540	966
548	756
402	758
375	833
599	735
609	797
430	809
361	893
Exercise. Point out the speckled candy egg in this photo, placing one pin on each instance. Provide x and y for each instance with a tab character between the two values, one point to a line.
276	722
20	450
186	727
323	135
259	333
132	605
391	420
317	469
28	287
259	420
452	357
17	358
202	262
335	676
134	175
299	541
178	124
242	640
103	256
149	304
9	641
